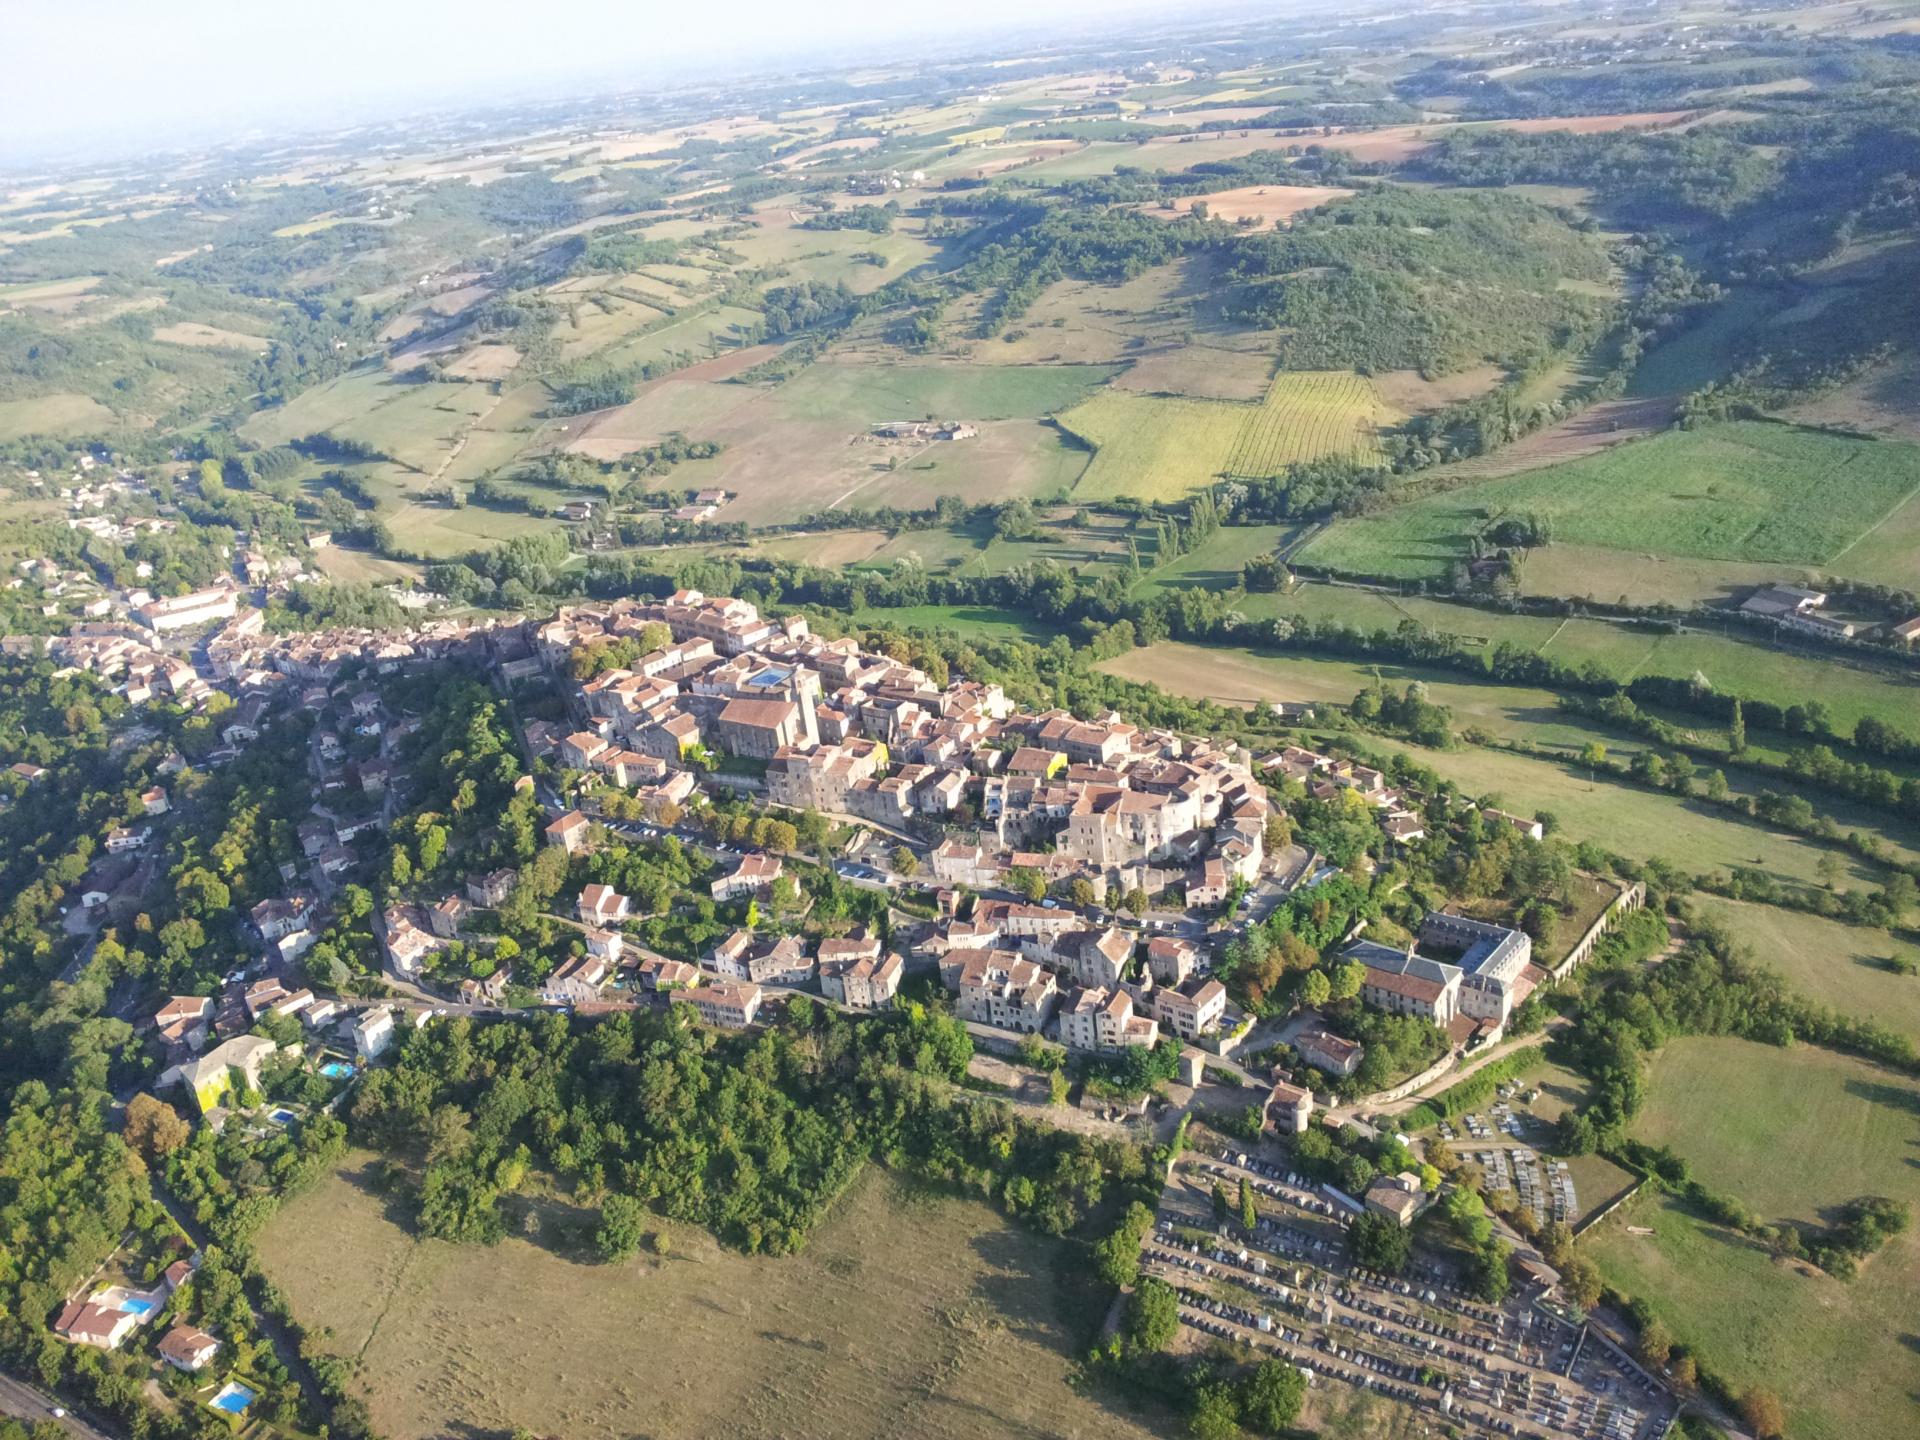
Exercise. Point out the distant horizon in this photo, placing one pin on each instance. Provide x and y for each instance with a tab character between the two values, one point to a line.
109	107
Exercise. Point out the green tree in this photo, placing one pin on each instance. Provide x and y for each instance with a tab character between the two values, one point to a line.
622	1228
904	861
1029	884
1379	1244
1215	1414
1249	1213
1153	1316
1271	1398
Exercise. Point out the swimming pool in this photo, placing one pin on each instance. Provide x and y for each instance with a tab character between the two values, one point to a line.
336	1070
138	1305
233	1398
282	1117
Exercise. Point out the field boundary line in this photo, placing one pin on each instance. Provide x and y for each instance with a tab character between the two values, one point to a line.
1898	506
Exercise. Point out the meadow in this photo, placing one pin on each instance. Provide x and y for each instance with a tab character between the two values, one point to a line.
1746	491
906	1314
1840	1354
52	415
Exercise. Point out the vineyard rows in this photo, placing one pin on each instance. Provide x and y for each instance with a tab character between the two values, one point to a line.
1308	415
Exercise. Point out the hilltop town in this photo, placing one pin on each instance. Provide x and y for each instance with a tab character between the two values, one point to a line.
1185	726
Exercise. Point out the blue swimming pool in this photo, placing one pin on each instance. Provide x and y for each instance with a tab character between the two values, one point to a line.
138	1305
282	1117
336	1070
233	1398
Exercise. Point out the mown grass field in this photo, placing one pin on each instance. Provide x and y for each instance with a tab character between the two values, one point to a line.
1153	447
984	620
1747	491
860	395
52	415
1216	564
1841	1355
907	1314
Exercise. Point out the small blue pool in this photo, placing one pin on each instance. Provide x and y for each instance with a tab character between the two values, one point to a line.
138	1305
282	1117
336	1070
234	1398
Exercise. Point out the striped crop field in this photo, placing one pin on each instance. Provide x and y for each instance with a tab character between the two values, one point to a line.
1308	415
1158	447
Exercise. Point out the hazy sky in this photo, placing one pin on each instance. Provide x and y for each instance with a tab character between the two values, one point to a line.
146	72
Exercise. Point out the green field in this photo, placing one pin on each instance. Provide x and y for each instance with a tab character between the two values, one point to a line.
1839	1354
53	415
1159	447
985	620
905	1315
863	395
1217	562
1746	491
1153	447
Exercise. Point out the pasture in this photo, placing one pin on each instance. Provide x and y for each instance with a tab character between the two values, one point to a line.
1217	562
905	1314
209	337
857	396
1747	491
804	446
1837	1353
53	415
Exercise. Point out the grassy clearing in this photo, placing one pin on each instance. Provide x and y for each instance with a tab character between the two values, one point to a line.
1838	965
1705	352
857	396
1748	491
1592	572
989	621
906	1314
439	532
362	567
1840	1354
1216	565
1850	1124
52	415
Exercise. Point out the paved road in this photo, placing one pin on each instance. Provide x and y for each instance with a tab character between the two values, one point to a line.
23	1402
